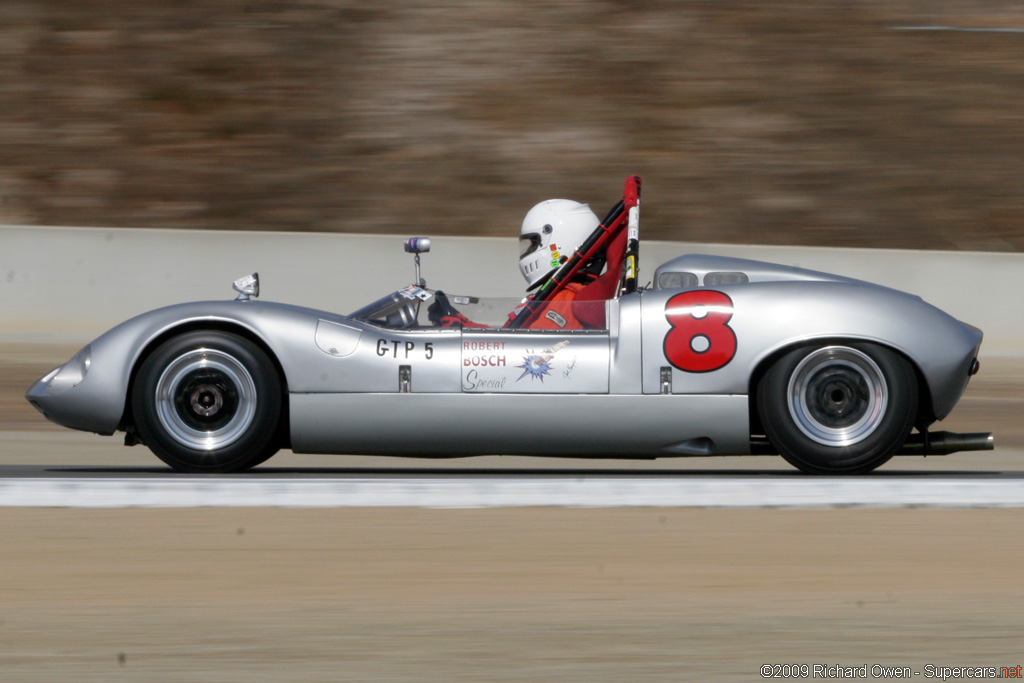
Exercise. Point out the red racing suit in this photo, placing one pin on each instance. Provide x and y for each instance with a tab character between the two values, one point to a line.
559	314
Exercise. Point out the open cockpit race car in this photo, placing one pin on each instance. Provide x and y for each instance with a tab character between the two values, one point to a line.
719	356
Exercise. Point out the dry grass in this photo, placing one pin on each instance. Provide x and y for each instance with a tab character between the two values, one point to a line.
790	122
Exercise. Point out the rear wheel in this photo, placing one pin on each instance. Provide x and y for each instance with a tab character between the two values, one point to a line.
208	402
838	409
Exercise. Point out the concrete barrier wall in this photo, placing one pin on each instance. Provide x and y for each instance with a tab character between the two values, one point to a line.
71	284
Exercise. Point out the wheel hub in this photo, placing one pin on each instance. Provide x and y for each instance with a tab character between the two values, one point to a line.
206	399
837	396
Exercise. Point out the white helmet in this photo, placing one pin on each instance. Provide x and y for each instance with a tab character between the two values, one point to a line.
551	232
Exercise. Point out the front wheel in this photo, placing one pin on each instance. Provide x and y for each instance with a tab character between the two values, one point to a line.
208	402
838	409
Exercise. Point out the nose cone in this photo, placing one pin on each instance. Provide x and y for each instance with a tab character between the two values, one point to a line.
39	394
60	397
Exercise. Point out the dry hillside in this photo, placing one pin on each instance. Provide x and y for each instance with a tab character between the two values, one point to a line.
799	122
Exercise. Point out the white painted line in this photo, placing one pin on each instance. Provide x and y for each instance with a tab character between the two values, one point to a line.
446	492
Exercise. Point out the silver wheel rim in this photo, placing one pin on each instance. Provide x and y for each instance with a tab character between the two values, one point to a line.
206	399
837	396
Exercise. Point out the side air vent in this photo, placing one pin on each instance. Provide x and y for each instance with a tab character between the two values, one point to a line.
677	280
725	277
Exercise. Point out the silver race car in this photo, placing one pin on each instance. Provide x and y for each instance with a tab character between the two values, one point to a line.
720	356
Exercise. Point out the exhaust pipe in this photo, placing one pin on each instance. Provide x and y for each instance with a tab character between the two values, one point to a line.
944	443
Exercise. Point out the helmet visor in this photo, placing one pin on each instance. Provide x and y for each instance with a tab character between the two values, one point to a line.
529	244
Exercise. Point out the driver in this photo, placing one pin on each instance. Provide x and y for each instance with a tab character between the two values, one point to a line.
551	232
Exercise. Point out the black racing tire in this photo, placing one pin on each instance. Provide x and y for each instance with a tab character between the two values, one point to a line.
841	408
208	401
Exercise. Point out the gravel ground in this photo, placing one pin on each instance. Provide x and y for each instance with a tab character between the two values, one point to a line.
502	595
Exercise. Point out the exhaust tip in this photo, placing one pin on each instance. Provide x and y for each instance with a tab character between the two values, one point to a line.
944	443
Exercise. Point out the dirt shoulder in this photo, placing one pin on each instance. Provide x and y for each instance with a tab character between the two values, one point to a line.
551	594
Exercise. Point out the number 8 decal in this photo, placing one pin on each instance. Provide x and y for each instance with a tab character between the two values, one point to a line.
700	339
